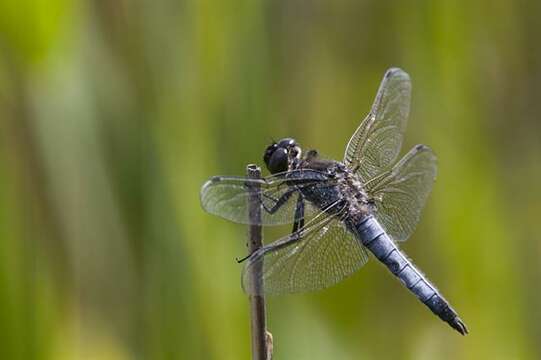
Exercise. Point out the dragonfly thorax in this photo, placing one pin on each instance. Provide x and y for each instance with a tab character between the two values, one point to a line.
359	203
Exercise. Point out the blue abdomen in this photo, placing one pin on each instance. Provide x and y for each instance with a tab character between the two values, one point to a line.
371	234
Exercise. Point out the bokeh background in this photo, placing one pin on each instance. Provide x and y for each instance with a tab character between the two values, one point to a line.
114	112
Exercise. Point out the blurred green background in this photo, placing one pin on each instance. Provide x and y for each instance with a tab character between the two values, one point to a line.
113	113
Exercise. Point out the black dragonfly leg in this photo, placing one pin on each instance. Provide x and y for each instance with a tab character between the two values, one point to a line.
299	214
279	203
298	225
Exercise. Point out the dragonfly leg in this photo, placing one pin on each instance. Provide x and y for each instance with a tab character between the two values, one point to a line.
259	252
298	224
279	203
243	258
293	238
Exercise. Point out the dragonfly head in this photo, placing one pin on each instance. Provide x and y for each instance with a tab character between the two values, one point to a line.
279	155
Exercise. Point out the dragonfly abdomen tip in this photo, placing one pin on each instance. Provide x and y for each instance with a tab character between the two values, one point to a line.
459	326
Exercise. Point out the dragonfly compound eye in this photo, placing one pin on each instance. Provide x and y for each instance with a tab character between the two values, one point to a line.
269	151
278	161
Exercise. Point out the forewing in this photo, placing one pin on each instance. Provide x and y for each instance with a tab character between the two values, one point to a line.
318	256
227	197
376	143
401	193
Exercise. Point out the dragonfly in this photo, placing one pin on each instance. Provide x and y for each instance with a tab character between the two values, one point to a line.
341	211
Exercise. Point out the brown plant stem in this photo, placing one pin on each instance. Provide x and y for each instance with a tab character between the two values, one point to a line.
260	346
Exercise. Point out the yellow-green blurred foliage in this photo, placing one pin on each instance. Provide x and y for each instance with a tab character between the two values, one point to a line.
113	113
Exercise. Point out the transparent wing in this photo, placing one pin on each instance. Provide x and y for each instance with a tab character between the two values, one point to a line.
377	141
320	255
400	194
227	197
